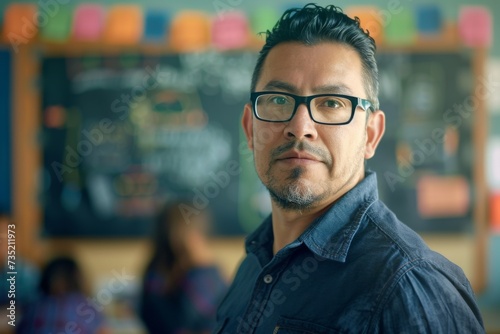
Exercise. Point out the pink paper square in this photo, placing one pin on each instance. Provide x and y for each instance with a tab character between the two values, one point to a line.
475	26
88	22
230	31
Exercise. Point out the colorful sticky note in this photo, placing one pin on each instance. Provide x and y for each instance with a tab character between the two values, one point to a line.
230	31
495	211
370	19
88	22
155	26
20	24
55	116
190	31
443	196
263	19
429	19
124	25
475	26
401	29
58	28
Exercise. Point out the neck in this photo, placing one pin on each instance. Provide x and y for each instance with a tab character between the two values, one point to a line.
288	225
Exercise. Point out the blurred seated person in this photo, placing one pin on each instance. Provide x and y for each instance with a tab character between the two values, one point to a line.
26	277
62	307
181	287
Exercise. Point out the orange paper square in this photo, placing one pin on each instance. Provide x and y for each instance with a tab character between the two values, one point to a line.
495	212
20	22
370	20
190	31
442	196
124	25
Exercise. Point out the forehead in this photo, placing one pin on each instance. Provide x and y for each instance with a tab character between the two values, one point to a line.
313	68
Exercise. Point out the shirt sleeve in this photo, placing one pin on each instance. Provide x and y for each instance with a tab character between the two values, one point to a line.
427	300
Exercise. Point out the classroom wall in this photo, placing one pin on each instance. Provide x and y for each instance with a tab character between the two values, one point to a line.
450	7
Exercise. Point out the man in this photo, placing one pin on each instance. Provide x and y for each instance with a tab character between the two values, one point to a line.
331	258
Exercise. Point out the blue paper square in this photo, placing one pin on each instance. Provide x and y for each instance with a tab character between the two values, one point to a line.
155	28
429	19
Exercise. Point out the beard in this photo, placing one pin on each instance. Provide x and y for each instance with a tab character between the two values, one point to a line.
296	193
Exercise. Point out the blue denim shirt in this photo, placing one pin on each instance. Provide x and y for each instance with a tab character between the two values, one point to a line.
356	269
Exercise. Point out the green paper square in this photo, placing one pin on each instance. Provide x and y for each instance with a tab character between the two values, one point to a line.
401	29
58	25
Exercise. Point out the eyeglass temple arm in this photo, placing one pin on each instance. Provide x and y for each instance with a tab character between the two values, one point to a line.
365	104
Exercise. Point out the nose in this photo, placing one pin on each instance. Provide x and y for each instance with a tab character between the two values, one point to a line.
301	126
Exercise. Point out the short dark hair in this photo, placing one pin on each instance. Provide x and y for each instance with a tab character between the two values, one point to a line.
313	24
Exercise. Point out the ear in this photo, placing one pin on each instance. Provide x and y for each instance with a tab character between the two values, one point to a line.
247	124
375	129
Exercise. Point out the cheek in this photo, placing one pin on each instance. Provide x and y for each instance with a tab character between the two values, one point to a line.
264	137
343	146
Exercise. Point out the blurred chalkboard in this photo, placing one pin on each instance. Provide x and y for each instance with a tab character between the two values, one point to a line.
123	134
424	162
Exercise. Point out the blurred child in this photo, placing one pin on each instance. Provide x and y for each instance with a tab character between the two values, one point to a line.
62	306
181	286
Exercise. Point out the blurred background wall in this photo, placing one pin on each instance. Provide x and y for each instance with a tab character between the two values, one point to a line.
33	109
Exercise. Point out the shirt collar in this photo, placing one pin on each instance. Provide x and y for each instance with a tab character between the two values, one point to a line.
331	234
261	236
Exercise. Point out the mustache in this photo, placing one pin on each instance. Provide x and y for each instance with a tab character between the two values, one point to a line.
302	146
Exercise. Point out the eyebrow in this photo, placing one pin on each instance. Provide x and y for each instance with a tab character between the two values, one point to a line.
324	89
280	85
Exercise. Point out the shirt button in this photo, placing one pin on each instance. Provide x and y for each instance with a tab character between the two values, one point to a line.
268	279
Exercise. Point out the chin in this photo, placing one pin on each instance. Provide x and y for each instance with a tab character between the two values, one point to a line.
295	194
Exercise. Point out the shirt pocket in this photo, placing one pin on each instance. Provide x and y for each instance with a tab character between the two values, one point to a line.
295	326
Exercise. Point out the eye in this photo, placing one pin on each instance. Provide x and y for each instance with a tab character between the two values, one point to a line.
332	103
329	103
278	99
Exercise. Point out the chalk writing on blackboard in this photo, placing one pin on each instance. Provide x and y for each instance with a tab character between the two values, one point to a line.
172	129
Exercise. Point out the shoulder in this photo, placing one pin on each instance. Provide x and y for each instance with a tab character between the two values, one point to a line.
391	251
414	279
407	248
382	220
423	298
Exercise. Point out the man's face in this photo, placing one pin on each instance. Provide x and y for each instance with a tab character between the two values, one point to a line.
304	164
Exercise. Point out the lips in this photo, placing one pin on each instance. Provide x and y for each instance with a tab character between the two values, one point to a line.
295	155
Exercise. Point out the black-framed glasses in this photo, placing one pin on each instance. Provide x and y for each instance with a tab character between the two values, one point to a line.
330	109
